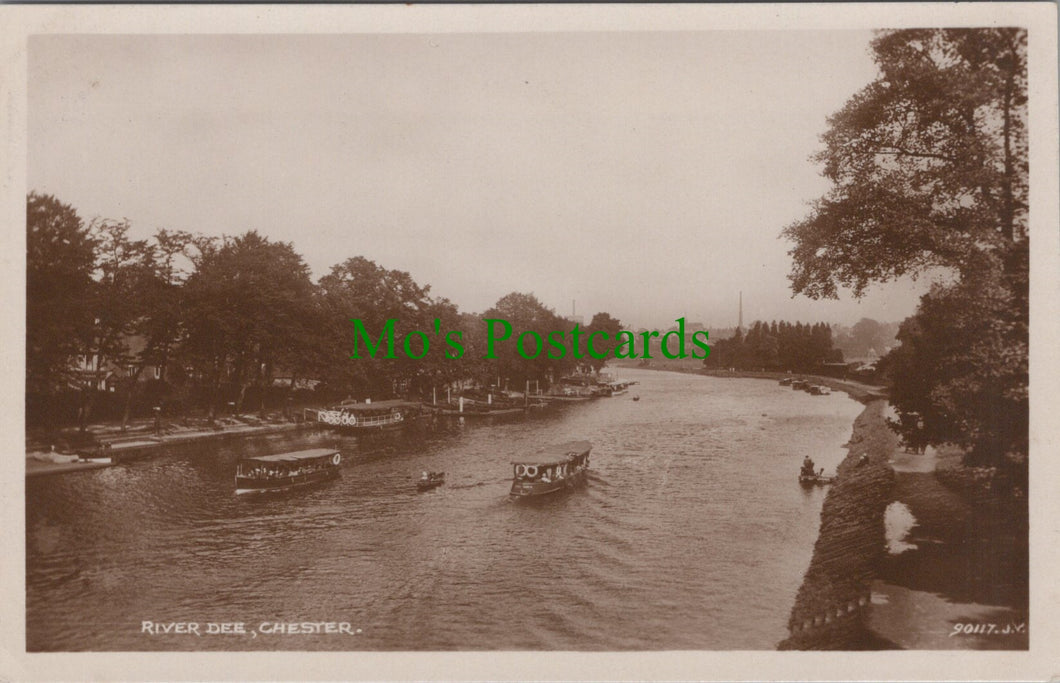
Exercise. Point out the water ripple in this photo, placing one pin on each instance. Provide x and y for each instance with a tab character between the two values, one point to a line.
690	533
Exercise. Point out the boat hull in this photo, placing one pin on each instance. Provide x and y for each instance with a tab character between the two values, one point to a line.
449	412
368	417
361	429
247	485
528	489
815	480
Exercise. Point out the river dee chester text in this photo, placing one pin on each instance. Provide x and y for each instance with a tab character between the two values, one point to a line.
239	628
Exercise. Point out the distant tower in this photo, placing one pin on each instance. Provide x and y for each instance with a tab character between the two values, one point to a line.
574	317
739	325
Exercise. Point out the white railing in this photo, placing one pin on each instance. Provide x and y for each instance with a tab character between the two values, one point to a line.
340	418
376	421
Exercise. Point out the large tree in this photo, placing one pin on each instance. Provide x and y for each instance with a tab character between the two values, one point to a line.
928	163
929	170
961	372
60	257
159	273
245	310
603	322
527	315
359	289
117	303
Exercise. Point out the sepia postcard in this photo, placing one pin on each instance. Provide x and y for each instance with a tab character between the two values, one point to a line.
531	342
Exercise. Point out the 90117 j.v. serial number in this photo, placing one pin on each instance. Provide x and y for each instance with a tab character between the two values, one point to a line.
985	629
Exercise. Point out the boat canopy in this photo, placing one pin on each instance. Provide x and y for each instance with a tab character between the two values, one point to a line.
295	456
556	454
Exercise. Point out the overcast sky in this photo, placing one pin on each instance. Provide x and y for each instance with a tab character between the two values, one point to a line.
644	174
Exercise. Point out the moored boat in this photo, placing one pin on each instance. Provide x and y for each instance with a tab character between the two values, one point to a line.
105	460
367	416
553	468
584	384
283	471
787	381
473	409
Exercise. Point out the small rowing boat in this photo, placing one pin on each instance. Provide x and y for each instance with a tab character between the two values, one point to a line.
815	478
430	480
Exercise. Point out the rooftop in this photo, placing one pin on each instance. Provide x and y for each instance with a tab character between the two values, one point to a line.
295	455
561	452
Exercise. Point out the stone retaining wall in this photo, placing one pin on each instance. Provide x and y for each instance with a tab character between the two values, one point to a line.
831	605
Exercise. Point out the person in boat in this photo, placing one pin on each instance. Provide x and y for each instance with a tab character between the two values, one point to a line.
807	467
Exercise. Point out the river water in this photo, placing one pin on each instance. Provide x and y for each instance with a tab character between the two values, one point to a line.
692	533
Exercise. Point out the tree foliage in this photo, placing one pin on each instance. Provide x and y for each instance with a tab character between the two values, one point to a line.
776	346
527	314
245	309
157	278
360	289
603	322
60	258
928	165
961	373
219	318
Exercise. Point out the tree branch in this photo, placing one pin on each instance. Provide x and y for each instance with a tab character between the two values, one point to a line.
898	151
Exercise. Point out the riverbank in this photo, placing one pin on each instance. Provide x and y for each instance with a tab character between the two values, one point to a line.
831	606
960	557
142	441
856	390
910	548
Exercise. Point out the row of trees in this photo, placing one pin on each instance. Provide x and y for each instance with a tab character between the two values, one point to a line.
776	346
223	317
929	171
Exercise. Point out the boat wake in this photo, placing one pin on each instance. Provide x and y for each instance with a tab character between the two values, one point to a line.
477	484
